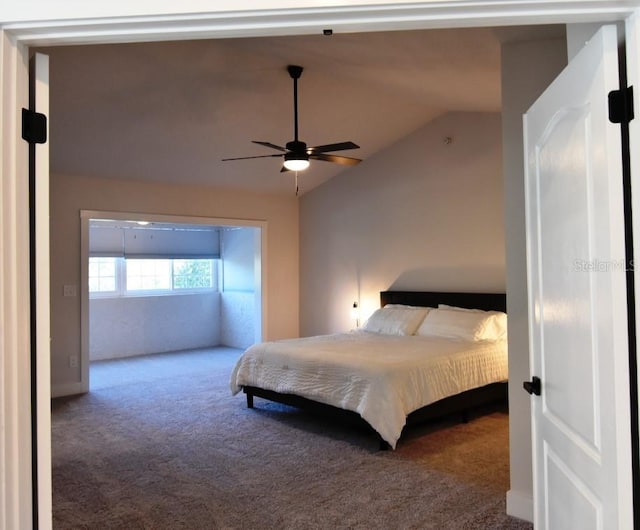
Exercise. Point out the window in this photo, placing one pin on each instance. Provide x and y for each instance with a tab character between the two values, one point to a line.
131	277
193	274
148	274
102	275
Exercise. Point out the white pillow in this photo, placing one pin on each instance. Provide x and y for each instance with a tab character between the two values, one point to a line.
396	320
500	321
471	325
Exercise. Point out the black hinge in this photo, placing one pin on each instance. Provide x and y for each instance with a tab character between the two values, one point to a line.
621	105
534	386
34	127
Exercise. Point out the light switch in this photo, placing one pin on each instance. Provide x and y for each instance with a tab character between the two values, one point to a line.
70	290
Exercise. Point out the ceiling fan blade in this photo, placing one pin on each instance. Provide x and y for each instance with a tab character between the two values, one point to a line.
269	144
344	160
249	157
342	146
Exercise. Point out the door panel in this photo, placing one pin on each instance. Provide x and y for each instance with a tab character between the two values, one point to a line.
578	498
577	296
568	132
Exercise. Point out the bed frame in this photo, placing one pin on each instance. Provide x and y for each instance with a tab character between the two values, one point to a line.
458	404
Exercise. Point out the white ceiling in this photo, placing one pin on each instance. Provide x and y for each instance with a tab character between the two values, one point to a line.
169	111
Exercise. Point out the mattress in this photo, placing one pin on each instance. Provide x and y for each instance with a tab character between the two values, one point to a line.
381	377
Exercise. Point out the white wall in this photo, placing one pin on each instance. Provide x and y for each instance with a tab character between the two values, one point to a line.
237	319
527	69
238	259
137	325
422	214
578	35
70	194
238	315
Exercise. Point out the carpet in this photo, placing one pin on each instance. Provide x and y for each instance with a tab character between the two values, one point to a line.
172	449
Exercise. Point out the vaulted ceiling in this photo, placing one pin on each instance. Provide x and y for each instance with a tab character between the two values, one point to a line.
170	111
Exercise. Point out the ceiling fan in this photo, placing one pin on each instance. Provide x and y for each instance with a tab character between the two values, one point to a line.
296	154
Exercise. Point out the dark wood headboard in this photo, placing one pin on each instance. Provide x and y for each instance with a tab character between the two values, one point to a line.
486	301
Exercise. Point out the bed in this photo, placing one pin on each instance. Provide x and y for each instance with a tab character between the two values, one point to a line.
409	363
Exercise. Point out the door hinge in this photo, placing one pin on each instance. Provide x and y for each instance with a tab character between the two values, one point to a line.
621	105
534	386
34	127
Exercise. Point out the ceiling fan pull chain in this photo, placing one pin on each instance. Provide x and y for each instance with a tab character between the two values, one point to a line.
297	184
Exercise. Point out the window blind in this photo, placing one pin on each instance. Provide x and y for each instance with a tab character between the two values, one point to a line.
150	243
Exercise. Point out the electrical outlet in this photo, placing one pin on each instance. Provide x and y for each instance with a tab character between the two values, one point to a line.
70	290
73	361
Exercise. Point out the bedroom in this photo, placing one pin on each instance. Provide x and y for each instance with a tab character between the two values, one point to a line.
333	267
103	26
510	227
301	226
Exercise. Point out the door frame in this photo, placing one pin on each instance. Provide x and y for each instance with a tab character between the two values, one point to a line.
97	23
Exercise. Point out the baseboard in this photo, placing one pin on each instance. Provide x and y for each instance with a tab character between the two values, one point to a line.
68	389
520	505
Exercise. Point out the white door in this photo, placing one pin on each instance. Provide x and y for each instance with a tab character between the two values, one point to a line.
39	205
577	298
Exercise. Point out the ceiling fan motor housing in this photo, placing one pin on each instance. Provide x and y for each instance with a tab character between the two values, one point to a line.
297	147
296	158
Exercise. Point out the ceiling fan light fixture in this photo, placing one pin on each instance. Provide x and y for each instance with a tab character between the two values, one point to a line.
296	162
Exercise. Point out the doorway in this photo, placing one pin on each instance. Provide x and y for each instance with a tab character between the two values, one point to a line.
15	73
154	284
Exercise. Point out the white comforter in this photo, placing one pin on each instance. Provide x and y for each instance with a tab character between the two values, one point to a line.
381	377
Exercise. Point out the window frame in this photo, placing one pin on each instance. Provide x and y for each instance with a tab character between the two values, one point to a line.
123	292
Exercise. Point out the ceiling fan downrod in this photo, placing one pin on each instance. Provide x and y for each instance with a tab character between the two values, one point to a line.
295	72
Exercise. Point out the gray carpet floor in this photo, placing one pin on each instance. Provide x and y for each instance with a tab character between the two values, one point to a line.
160	443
